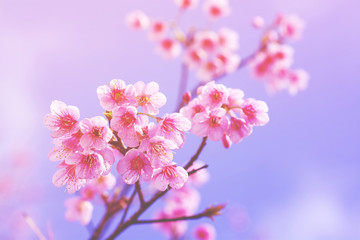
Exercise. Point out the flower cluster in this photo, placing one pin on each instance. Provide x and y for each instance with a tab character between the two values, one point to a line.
221	113
274	60
80	146
212	53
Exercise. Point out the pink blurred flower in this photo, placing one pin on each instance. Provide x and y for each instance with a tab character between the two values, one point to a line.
78	209
62	119
210	69
98	186
205	231
116	94
137	20
157	30
254	112
186	4
194	57
169	48
230	61
229	39
290	26
172	127
149	97
172	175
96	133
298	81
201	177
206	40
212	124
172	230
258	22
134	166
192	109
217	8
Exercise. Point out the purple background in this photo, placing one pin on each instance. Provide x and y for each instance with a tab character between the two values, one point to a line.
296	178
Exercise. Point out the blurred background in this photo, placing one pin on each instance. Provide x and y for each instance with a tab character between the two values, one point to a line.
297	178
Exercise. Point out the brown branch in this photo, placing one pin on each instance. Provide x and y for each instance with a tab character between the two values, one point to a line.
193	217
124	225
141	196
128	206
183	83
195	157
198	169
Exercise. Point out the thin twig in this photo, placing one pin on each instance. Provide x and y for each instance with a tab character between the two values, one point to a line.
195	157
183	83
141	196
193	217
198	169
128	206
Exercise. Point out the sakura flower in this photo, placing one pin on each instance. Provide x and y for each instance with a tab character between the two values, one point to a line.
65	145
137	20
98	186
93	164
194	107
158	149
210	69
185	200
235	98
116	94
67	175
290	26
127	123
169	48
212	124
214	95
135	166
298	81
78	209
194	57
206	40
186	4
238	129
172	230
217	8
254	112
199	178
230	61
172	127
186	97
172	175
62	120
258	22
205	232
226	141
228	39
149	97
157	30
96	133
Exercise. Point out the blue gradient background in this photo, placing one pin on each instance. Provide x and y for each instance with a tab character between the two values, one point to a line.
297	178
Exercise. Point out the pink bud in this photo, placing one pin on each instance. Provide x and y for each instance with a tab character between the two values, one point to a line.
226	141
187	97
258	22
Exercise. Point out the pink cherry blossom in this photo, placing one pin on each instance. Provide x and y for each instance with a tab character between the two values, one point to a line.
238	129
78	209
194	107
235	98
157	30
206	40
117	93
230	61
67	175
254	112
172	175
172	127
187	97
212	124
128	124
214	95
205	231
298	81
226	141
169	48
258	22
96	133
186	4
65	145
185	200
229	39
93	164
217	8
62	120
137	20
172	230
149	97
135	166
194	57
98	186
210	69
158	149
290	26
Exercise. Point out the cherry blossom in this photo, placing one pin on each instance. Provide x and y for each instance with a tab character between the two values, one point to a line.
205	231
214	95
290	26
186	4
172	175
67	175
137	20
149	97
157	30
96	133
169	48
217	8
78	209
62	120
254	112
135	166
158	149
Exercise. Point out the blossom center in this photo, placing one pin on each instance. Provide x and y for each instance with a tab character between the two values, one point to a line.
170	171
143	99
137	163
119	95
